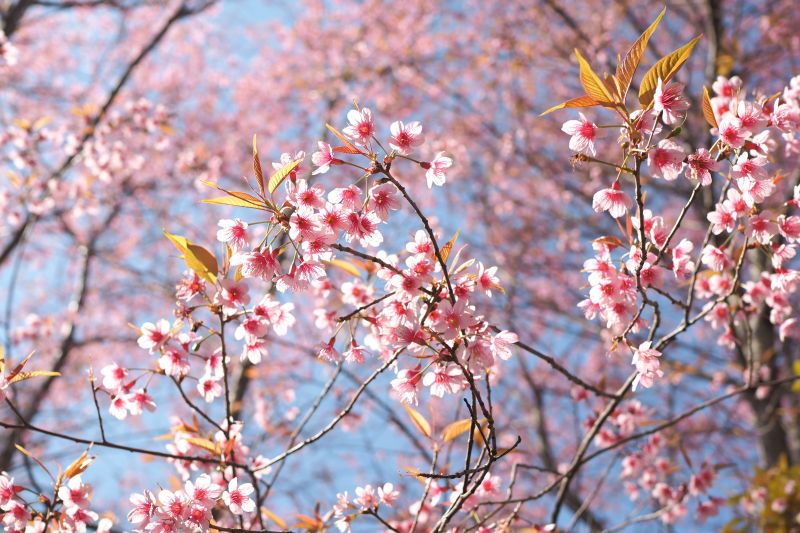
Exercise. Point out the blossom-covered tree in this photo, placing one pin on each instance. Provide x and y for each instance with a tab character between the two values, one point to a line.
436	309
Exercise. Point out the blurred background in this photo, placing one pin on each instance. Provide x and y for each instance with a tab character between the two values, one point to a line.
112	112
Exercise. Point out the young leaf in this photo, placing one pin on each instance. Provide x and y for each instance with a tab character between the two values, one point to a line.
280	174
275	518
257	166
22	376
422	425
592	84
665	69
344	140
627	67
708	111
459	427
581	101
234	201
204	444
346	266
196	257
79	465
448	247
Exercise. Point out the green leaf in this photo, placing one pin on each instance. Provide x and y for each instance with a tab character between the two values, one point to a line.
664	69
627	67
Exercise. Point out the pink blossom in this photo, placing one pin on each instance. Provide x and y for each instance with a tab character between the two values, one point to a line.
435	173
583	132
666	160
646	361
613	200
750	167
366	498
700	166
722	219
361	126
234	233
444	379
113	376
731	131
323	159
144	508
388	494
406	384
682	264
382	199
153	336
669	101
715	258
258	263
405	136
209	388
237	497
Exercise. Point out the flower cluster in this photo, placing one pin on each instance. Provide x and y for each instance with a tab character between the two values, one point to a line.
191	508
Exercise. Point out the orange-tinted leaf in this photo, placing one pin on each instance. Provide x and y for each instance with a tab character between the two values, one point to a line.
626	68
344	140
196	257
346	266
257	166
79	465
204	444
581	101
277	178
664	69
708	111
448	247
419	421
275	518
459	427
592	84
346	150
22	376
232	200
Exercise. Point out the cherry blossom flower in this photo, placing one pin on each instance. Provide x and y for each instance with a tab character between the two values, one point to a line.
257	264
237	497
722	219
173	505
137	401
144	508
406	384
666	160
583	132
388	494
646	361
153	336
715	258
364	228
209	388
700	166
682	264
234	233
287	159
382	199
323	159
613	200
74	493
366	498
361	126
435	174
113	376
749	167
731	131
405	136
669	101
444	379
300	194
